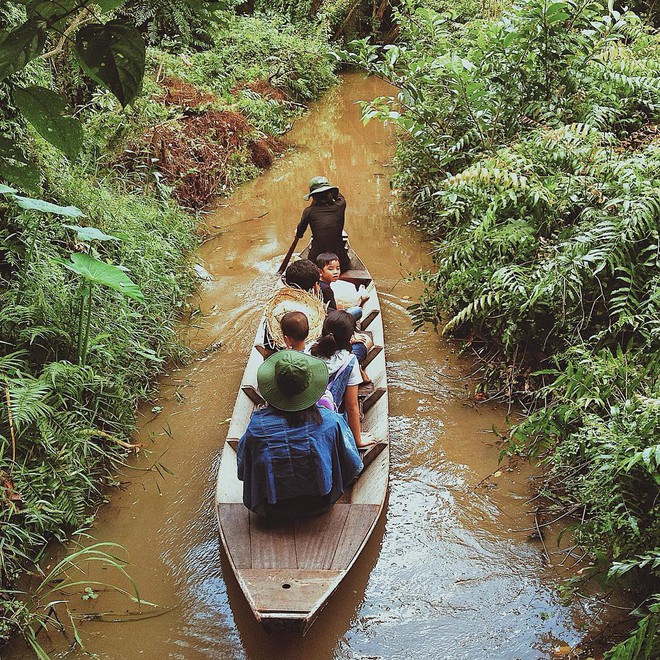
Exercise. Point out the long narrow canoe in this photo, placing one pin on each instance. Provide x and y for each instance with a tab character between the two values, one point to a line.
288	569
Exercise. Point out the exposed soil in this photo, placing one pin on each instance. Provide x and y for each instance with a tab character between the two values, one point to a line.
640	139
263	151
178	92
194	153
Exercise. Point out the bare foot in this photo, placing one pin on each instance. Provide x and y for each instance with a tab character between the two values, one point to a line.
365	379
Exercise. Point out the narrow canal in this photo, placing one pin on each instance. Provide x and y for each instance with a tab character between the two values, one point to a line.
450	572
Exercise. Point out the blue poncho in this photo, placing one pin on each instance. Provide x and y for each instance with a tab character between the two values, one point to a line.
276	461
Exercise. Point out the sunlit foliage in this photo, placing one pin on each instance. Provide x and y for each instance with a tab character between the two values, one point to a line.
529	152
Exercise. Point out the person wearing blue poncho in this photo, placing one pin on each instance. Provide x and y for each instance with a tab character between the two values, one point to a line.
295	458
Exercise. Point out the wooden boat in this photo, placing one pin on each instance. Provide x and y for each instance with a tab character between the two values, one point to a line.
289	569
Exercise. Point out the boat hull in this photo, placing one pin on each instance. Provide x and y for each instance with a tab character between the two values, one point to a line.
288	569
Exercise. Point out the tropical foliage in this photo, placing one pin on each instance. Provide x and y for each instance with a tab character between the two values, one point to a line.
529	153
95	247
340	18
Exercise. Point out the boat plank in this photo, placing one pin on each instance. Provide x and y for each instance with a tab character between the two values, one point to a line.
367	320
371	400
371	487
235	523
251	392
272	543
229	488
317	538
358	523
305	588
373	353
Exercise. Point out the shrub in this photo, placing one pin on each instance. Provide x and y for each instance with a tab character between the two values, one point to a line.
529	153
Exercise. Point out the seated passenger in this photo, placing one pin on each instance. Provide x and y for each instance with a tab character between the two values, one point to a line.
345	295
295	329
341	357
328	264
302	274
295	459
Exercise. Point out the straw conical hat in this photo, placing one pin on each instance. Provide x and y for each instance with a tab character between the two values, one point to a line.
290	299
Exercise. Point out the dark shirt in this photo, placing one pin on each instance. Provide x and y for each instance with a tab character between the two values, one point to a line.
327	224
328	295
277	462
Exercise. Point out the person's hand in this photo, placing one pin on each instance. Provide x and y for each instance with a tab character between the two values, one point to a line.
363	338
366	440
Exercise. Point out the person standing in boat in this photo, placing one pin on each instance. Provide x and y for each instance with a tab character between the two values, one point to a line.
325	216
295	459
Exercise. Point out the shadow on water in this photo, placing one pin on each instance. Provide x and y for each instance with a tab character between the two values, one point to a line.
450	572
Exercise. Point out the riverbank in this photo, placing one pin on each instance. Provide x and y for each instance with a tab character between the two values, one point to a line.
78	355
529	154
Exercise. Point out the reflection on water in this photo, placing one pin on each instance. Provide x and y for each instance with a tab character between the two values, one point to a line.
445	575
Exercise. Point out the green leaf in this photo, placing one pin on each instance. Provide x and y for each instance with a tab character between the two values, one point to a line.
555	18
109	5
148	354
91	234
555	7
99	272
20	46
49	114
114	55
6	190
510	38
55	12
556	12
40	205
15	168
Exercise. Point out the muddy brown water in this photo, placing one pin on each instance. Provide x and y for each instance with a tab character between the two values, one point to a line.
449	572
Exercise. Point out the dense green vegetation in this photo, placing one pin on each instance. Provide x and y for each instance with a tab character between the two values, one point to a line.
97	230
530	154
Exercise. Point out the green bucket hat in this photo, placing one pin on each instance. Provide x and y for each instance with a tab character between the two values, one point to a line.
290	380
319	184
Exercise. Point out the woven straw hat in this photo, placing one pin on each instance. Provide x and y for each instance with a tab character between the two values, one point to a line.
291	299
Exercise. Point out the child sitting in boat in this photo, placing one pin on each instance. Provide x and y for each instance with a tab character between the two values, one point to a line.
304	276
284	474
342	359
328	264
295	330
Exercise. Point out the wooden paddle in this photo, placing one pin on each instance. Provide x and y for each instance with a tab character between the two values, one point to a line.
285	263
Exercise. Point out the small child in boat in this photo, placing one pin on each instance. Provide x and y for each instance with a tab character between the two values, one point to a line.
328	264
302	274
295	329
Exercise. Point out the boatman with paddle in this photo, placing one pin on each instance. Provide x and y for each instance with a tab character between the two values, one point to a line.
325	216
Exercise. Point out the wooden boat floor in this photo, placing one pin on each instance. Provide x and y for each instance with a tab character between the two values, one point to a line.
327	542
287	591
